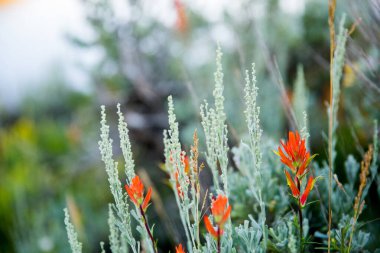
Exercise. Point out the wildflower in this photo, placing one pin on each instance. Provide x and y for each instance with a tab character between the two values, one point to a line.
308	188
292	185
294	154
136	192
295	187
179	249
185	161
220	211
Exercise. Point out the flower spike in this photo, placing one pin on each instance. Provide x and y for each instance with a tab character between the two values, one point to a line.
294	155
136	192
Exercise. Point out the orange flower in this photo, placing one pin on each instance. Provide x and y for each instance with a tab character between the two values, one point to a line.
220	211
181	23
185	161
295	187
179	249
292	185
294	154
136	192
308	188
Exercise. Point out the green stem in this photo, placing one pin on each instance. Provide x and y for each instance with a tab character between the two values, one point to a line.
218	231
148	229
300	214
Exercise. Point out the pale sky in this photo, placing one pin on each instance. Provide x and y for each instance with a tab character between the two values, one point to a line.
32	41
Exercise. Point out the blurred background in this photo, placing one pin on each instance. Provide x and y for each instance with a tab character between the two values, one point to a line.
60	60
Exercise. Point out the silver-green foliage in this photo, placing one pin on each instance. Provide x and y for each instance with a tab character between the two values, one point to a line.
249	237
337	70
114	237
175	166
300	96
121	205
282	234
75	245
342	235
252	114
215	129
120	213
125	146
300	103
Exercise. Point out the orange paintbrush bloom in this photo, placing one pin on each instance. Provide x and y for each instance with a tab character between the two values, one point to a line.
136	192
294	154
221	212
179	249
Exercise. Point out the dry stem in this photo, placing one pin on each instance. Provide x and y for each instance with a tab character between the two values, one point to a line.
358	205
332	5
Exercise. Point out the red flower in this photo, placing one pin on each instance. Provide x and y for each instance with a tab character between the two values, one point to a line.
295	188
136	192
179	249
220	211
292	184
308	188
294	154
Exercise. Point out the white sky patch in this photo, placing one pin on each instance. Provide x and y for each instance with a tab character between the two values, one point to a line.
32	40
161	10
295	7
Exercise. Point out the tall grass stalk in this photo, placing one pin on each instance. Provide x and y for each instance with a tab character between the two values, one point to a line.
337	51
359	203
332	5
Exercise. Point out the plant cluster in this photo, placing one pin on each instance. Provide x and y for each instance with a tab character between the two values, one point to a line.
251	205
247	209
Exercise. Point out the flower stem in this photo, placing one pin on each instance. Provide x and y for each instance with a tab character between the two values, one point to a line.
218	243
148	229
300	214
301	235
